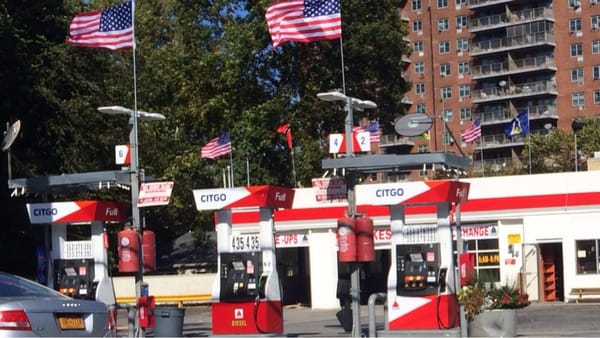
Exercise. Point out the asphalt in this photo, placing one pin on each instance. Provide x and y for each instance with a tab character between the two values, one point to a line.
552	319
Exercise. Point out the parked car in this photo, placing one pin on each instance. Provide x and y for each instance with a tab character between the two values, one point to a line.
29	309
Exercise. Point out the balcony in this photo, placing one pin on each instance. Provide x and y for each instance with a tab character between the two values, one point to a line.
392	140
515	67
505	115
517	42
502	20
513	91
483	3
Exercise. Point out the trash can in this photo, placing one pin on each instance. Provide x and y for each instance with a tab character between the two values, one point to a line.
168	321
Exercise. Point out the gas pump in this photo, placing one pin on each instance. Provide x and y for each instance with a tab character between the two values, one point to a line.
247	293
78	254
421	281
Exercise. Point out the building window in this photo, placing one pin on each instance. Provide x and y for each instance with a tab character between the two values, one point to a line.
421	108
577	99
596	47
416	5
443	25
442	3
482	240
595	22
423	148
587	256
576	49
417	26
444	47
577	75
596	96
420	88
448	115
446	93
463	67
461	2
465	113
462	22
418	46
574	3
419	67
596	72
445	69
464	90
462	45
575	25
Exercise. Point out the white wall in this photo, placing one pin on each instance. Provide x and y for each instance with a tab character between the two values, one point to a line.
323	269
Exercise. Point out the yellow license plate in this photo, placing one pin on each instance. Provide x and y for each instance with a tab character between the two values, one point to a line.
71	323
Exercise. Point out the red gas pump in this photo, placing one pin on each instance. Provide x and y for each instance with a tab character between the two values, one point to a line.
346	239
149	250
128	250
466	268
365	245
146	311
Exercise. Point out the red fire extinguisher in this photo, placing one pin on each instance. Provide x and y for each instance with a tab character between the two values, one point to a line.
149	250
128	250
346	238
365	245
146	311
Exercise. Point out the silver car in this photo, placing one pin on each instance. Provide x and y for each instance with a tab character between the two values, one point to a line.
29	309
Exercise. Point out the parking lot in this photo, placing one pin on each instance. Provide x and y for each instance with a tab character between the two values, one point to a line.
554	319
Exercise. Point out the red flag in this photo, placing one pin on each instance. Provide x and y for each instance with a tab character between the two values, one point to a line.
304	21
111	28
285	129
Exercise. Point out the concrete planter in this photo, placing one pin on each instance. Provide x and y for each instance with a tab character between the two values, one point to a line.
494	323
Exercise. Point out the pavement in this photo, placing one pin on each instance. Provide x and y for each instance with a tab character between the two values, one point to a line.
551	319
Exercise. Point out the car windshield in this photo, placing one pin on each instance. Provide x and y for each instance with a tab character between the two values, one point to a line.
14	286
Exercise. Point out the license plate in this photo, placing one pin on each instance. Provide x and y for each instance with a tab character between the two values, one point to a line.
71	323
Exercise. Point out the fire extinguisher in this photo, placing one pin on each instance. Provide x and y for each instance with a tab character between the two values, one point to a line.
149	250
146	311
128	250
346	239
365	245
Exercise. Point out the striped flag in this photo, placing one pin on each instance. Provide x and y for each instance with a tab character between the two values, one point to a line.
472	133
373	129
304	21
218	146
111	28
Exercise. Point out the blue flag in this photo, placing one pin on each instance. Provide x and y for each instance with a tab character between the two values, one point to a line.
519	125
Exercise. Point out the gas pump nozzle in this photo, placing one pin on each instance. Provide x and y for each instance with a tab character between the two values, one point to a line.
262	285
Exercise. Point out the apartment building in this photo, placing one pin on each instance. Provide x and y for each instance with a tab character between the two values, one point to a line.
493	59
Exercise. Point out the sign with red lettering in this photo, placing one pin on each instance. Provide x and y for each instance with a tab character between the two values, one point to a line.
290	240
330	189
478	232
155	193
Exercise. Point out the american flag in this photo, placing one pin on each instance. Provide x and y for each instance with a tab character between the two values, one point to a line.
373	129
111	28
304	21
472	133
218	146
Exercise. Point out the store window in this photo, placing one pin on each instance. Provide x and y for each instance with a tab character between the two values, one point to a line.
482	240
587	256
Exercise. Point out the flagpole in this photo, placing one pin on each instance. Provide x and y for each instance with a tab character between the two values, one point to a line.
293	169
231	169
481	148
529	139
343	67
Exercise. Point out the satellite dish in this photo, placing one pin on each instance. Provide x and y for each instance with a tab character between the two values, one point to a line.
502	83
10	135
413	124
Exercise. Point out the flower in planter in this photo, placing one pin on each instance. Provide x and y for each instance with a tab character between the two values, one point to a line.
477	298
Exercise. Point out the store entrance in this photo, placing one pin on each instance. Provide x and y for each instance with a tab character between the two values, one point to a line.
294	273
551	272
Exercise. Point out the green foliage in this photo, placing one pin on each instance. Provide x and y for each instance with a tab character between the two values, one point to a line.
208	66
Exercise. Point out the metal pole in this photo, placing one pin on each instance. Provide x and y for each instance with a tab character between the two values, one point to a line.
576	164
135	212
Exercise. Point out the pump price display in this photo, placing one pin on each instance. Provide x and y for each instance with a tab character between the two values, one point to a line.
245	243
